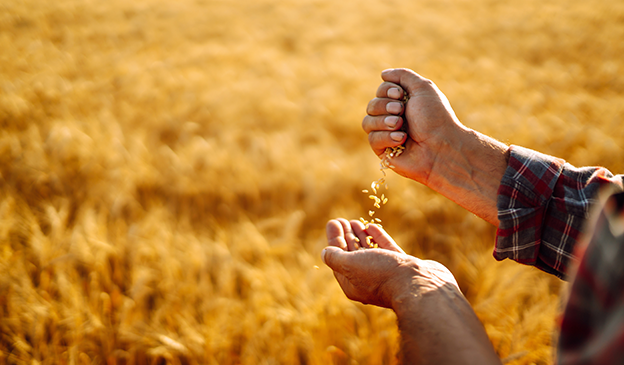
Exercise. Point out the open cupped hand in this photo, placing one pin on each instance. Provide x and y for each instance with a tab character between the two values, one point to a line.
380	276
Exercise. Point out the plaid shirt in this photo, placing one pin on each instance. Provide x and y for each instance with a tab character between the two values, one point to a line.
544	204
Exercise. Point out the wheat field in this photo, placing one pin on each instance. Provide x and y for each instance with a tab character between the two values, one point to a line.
167	168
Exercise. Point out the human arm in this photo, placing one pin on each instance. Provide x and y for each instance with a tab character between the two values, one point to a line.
436	322
538	202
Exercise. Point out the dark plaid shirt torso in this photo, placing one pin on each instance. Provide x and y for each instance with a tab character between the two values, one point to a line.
546	207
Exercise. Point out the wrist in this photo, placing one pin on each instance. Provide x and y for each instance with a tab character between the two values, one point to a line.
420	294
468	171
436	321
420	280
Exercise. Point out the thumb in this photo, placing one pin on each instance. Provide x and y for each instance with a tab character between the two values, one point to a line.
408	79
335	258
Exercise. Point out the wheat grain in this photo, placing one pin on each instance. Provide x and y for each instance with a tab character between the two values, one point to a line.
52	81
390	152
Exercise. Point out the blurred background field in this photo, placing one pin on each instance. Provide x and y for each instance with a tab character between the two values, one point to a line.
167	168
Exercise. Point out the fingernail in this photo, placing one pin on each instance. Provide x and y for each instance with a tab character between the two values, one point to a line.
323	256
394	93
397	136
394	107
391	121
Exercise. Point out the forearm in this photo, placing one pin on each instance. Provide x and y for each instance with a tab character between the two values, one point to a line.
470	170
440	327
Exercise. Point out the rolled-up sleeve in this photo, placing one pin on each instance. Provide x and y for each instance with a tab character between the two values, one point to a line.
543	204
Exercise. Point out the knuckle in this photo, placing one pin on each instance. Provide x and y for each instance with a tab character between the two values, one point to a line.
427	83
367	123
369	107
372	138
390	85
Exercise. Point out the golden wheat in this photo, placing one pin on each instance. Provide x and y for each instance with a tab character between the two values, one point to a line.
384	164
167	168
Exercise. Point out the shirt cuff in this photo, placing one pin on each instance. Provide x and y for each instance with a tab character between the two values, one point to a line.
523	197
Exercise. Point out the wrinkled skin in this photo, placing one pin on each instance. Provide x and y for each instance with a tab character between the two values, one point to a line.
378	276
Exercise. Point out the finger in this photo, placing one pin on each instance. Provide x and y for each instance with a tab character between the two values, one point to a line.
382	238
408	79
390	90
352	242
360	231
383	106
380	140
382	123
335	258
335	234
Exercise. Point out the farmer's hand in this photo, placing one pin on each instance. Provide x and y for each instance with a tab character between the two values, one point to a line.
436	322
381	276
440	152
431	123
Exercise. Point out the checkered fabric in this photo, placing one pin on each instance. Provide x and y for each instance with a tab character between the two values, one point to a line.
546	206
592	329
543	205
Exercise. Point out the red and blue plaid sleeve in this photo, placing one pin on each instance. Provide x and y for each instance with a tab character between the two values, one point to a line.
592	329
543	204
